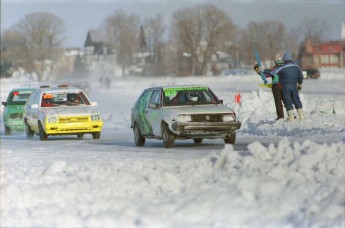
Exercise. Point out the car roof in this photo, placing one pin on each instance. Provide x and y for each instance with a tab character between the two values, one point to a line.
23	89
177	86
48	88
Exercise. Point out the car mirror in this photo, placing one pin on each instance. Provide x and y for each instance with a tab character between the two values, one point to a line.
221	101
4	103
94	104
33	106
153	105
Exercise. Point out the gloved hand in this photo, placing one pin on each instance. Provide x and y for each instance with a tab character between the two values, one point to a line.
299	87
258	68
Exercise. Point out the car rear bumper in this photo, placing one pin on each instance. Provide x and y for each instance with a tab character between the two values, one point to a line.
206	129
73	128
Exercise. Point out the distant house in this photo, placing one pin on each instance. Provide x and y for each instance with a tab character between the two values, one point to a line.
327	54
94	45
98	56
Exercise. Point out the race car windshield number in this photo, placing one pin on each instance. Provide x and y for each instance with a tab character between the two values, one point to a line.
173	91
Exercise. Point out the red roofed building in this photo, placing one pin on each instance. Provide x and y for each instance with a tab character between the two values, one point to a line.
329	54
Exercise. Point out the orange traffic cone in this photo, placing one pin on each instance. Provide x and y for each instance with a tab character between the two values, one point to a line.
238	98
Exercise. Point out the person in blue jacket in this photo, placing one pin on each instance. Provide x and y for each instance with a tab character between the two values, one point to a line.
291	78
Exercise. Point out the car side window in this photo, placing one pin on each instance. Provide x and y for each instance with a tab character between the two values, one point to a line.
155	98
143	100
37	99
32	98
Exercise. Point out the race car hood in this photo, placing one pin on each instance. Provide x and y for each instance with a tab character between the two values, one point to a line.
199	109
77	110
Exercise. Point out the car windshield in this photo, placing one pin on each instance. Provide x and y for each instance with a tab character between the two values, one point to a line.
19	97
180	96
53	99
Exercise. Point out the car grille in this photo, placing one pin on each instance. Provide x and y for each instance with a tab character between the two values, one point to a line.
73	119
16	116
207	118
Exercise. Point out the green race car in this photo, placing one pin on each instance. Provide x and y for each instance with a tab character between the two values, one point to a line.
14	109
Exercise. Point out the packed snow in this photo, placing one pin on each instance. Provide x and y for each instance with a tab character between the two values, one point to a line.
278	173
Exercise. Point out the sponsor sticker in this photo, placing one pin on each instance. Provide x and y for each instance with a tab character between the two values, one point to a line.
173	91
16	93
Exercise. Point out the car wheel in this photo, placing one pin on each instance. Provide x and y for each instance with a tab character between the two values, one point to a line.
7	130
168	137
80	136
42	133
230	139
197	141
138	138
96	135
28	131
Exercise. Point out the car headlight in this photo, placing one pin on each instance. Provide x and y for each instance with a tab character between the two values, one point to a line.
52	119
228	117
185	118
96	117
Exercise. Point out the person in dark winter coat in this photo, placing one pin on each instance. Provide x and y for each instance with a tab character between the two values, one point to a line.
276	85
291	78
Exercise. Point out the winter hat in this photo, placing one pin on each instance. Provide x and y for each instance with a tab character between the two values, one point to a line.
278	57
278	60
287	56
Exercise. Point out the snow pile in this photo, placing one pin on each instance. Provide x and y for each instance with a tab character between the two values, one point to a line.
292	185
257	115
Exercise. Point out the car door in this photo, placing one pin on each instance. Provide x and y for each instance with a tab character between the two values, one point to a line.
32	112
154	111
140	116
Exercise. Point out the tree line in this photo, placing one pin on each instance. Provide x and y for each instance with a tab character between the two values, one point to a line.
186	46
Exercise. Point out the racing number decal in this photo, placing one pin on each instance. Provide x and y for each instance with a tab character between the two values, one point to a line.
173	91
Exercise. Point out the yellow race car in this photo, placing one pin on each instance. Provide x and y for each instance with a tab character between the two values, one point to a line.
61	110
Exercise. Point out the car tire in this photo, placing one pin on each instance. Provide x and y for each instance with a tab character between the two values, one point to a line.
138	138
42	133
168	137
230	139
80	136
7	130
28	131
197	141
96	135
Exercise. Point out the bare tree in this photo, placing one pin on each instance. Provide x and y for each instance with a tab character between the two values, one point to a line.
269	37
122	32
155	31
199	32
314	29
10	46
154	36
33	43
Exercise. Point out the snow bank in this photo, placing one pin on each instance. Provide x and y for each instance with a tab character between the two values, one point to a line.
288	185
324	117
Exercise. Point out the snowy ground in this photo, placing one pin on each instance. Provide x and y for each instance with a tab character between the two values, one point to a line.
278	174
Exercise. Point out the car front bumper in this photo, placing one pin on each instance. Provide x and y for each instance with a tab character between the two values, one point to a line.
15	124
205	129
73	128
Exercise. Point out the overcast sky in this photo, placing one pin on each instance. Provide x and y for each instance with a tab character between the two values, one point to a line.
82	15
